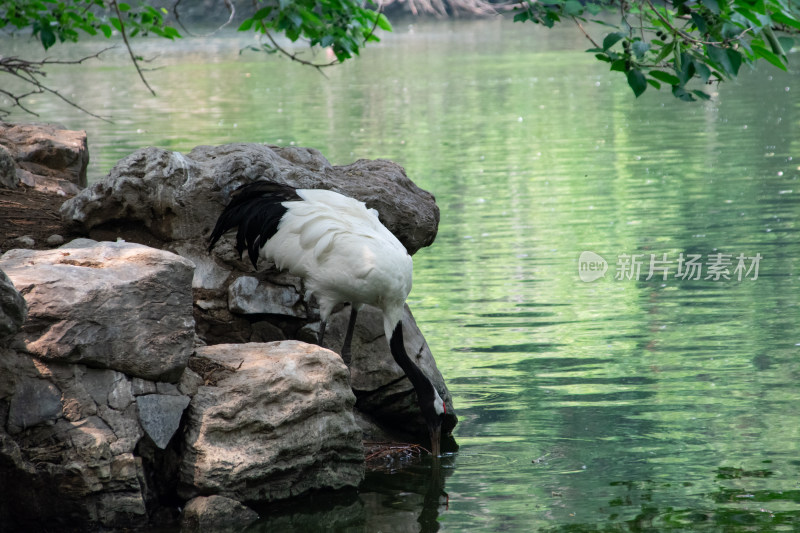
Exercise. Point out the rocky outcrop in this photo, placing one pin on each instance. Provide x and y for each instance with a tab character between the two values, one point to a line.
271	393
174	196
46	157
76	376
121	306
121	395
103	440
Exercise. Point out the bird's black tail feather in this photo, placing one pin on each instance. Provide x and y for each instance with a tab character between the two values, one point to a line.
256	210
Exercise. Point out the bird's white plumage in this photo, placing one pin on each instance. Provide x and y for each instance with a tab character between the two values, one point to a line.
343	252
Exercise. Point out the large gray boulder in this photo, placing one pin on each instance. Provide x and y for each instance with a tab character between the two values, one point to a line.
13	308
43	156
120	306
276	420
175	196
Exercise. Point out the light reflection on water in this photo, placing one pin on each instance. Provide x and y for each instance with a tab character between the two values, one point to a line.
612	405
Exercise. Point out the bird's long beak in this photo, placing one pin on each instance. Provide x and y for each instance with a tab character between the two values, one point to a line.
436	437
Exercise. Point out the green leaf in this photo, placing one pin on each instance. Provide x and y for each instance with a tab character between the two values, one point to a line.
654	83
618	65
116	23
637	81
720	57
760	51
522	16
246	25
680	93
666	77
573	8
665	51
702	95
699	22
611	39
783	18
735	58
774	43
106	29
123	7
47	37
383	22
748	15
702	69
262	13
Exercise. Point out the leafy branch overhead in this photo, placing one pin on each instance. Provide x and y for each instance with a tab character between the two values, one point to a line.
681	44
343	25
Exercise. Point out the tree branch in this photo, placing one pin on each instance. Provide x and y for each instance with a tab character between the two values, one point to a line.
294	57
30	72
585	33
128	46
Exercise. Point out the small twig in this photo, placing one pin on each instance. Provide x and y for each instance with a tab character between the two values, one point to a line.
30	72
585	32
128	46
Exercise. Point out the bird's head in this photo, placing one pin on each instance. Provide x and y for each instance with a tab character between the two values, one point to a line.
434	413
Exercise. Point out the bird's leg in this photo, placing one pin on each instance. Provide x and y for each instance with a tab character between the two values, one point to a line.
321	333
348	338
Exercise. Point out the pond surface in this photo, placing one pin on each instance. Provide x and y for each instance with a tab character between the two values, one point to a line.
619	404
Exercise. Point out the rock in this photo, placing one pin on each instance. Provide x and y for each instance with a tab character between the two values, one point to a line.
8	170
46	157
160	416
247	295
215	513
378	382
25	241
119	306
13	308
177	197
69	453
277	423
35	401
55	240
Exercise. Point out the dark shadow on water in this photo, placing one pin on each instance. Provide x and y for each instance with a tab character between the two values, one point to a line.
410	499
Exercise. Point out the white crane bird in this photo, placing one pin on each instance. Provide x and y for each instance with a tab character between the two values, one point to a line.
344	255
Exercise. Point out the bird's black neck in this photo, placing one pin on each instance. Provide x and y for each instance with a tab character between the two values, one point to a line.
422	385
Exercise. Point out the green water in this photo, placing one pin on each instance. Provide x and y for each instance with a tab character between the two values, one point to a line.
612	405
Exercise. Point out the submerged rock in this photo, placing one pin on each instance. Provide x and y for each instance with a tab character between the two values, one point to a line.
212	514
